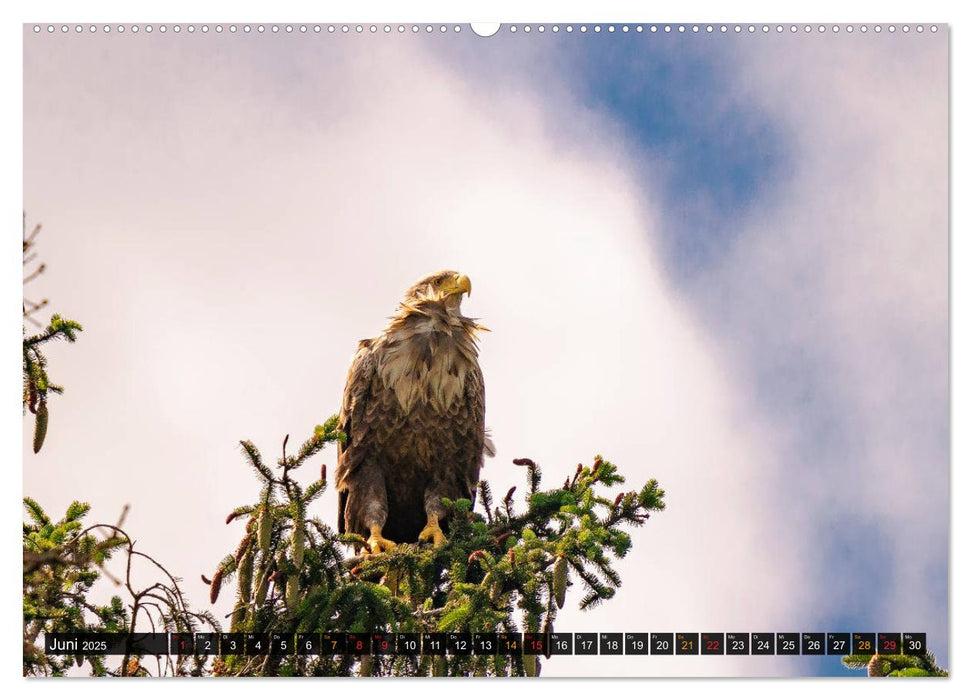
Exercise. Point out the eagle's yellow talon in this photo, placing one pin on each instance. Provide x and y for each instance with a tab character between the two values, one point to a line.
432	532
377	543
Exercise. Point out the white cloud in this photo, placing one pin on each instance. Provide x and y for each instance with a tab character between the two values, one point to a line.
848	271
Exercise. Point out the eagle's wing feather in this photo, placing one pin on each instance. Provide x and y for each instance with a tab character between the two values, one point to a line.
353	423
475	402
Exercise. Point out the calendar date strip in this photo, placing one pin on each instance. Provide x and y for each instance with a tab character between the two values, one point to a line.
489	644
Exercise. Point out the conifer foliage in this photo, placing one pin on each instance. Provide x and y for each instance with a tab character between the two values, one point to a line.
503	568
62	562
37	385
896	665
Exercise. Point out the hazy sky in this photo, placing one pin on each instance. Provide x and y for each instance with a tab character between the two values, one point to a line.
721	261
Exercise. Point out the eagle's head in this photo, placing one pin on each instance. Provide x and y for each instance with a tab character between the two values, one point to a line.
445	287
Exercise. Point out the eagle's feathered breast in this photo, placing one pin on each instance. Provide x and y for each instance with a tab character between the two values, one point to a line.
414	414
425	360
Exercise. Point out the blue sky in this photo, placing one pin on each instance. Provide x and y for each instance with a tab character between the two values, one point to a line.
677	107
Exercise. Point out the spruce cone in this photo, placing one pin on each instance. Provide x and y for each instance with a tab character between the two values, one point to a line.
530	665
31	397
560	580
477	554
297	541
243	546
264	529
40	426
293	592
217	582
260	597
245	574
875	669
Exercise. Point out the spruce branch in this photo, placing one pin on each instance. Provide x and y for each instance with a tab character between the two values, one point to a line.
500	570
36	382
62	561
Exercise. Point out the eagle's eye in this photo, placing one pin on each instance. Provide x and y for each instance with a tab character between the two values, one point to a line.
442	286
455	284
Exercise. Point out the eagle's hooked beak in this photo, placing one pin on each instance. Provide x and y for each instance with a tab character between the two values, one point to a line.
460	283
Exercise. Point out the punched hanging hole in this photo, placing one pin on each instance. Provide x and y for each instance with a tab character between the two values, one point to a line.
485	29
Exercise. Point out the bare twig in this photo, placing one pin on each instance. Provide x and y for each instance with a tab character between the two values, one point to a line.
36	273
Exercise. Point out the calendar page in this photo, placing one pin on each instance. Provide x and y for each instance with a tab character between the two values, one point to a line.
446	349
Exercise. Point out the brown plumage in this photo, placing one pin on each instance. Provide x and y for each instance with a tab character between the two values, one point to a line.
414	414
